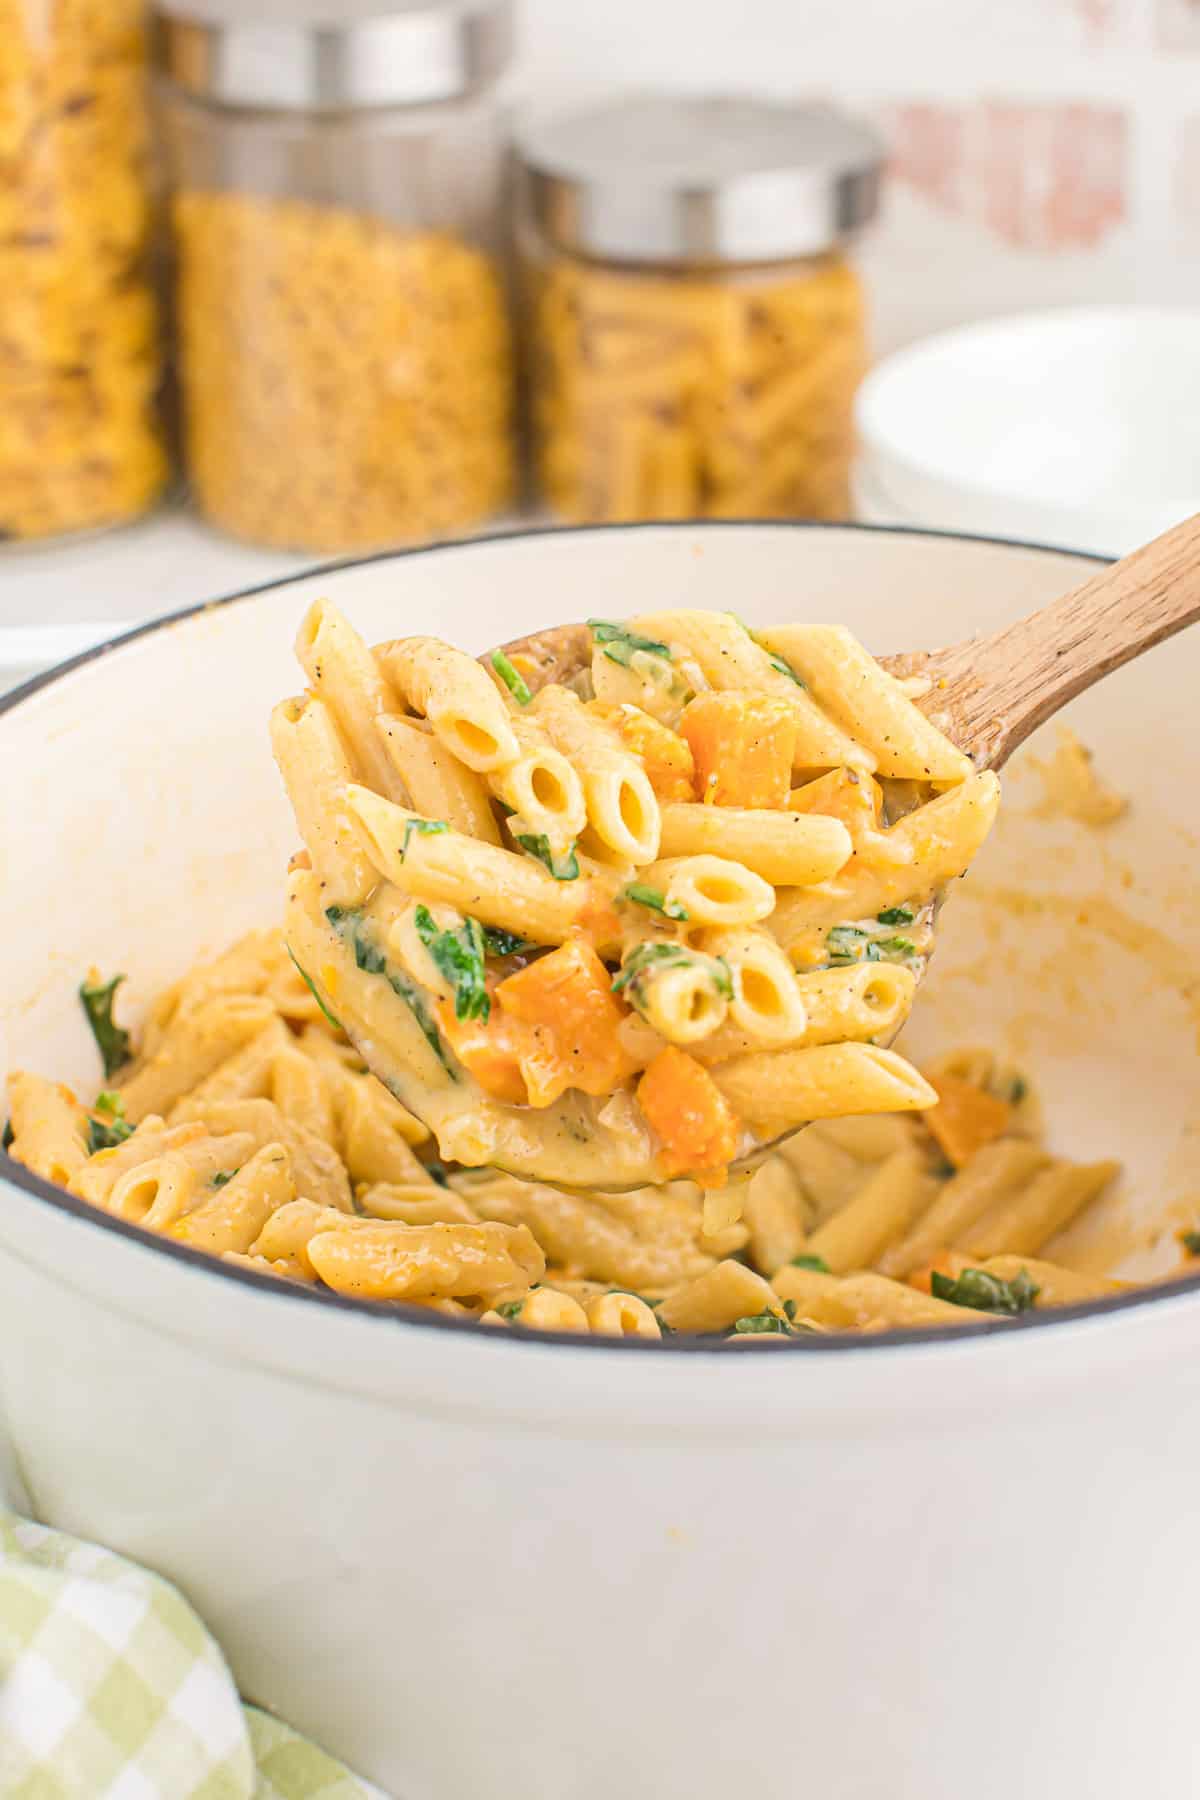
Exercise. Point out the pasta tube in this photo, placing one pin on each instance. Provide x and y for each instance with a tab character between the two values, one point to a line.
621	804
766	1002
730	658
939	840
707	890
438	785
457	698
342	672
495	886
316	770
787	849
867	702
776	1090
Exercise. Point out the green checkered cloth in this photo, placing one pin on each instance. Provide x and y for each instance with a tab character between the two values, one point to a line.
111	1689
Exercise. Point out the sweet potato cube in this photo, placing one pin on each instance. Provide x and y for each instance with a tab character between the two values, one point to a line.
965	1117
698	1128
742	745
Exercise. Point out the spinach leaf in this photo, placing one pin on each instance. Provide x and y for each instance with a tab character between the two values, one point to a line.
458	956
517	687
312	988
776	662
811	1262
410	993
896	915
504	943
108	1127
642	895
112	1042
1189	1239
762	1322
986	1293
655	954
424	828
620	645
854	943
348	922
564	868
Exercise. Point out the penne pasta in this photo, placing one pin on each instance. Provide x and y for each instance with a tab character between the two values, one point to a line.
776	1089
730	658
867	702
457	698
438	785
621	804
490	884
786	849
316	771
343	673
938	841
708	890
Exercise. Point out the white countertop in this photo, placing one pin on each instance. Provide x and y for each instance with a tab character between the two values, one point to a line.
56	599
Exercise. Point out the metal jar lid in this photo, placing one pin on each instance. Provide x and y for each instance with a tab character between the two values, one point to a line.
712	179
330	55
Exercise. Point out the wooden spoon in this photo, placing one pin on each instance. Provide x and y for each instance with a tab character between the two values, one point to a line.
989	693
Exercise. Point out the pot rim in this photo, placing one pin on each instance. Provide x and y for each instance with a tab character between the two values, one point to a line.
399	1316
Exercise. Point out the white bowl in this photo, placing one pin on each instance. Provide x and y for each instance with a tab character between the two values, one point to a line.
477	1564
1077	426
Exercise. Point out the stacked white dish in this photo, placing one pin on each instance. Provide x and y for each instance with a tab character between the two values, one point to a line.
1079	426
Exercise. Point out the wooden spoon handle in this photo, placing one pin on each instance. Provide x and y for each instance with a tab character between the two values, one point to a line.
994	691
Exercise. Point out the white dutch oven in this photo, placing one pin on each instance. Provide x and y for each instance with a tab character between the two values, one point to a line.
475	1564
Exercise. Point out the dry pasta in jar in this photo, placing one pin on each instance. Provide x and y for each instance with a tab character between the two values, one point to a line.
345	349
696	330
80	351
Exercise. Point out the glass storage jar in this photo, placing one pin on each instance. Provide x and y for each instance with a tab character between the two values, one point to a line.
696	331
344	343
80	361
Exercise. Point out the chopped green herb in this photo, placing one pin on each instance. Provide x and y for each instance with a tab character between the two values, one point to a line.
854	943
642	895
112	1042
371	960
986	1293
458	956
789	1307
890	949
111	1127
943	1168
7	1136
518	688
221	1177
423	828
564	868
896	915
658	954
811	1262
646	956
776	662
1189	1239
510	1309
620	645
1017	1090
504	943
437	1171
762	1322
414	1000
311	985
